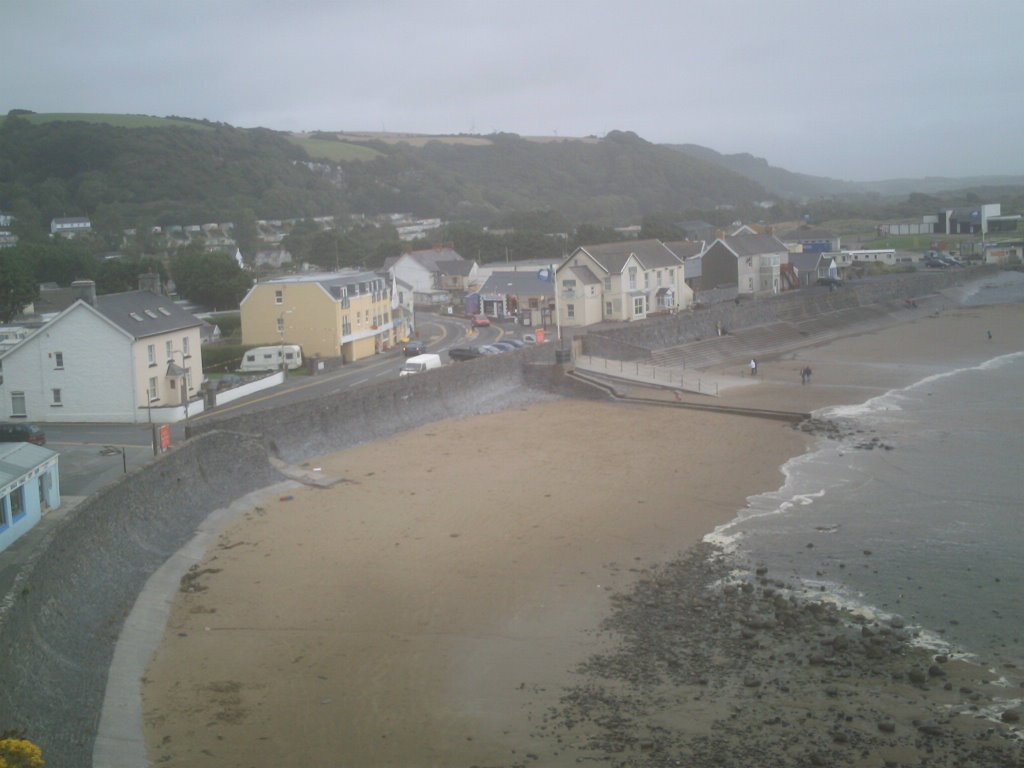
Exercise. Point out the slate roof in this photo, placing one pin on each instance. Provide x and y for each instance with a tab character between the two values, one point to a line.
805	262
430	257
523	283
142	313
684	249
650	253
754	245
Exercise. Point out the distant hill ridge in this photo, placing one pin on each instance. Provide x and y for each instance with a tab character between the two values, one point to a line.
126	169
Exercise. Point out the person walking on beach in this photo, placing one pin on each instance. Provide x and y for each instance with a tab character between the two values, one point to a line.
753	367
805	375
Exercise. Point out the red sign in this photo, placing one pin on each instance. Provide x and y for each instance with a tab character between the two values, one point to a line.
165	436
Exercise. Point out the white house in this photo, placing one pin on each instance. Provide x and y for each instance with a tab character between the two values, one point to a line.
620	282
29	486
420	268
70	227
123	357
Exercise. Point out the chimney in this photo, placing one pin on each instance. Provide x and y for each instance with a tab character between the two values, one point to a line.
150	282
85	290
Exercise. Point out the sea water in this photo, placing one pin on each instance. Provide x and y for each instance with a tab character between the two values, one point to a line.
919	511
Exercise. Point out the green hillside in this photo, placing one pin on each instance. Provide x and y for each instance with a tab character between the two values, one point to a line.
130	170
118	121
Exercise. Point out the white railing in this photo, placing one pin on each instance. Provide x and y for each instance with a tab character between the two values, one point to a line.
676	377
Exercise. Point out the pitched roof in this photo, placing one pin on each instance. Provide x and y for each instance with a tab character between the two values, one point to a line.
430	257
142	313
519	283
684	249
650	253
753	245
805	262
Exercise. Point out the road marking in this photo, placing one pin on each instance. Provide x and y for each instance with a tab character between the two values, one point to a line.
358	382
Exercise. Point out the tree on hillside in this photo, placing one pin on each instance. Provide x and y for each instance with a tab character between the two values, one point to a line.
213	280
17	286
119	275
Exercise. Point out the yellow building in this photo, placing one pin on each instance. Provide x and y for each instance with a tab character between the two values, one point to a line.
340	314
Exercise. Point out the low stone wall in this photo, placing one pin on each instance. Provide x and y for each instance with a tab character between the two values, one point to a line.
636	340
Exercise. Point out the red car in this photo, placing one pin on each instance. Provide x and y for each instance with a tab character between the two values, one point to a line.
480	321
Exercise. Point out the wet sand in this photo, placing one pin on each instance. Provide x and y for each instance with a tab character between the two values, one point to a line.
433	608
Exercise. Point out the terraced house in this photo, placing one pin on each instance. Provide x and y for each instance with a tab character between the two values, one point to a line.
620	282
347	314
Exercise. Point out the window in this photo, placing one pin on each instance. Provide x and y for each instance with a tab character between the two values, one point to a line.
671	275
184	346
638	306
152	389
18	404
279	297
169	348
658	281
56	397
346	327
632	278
607	309
188	378
151	354
607	283
4	517
647	279
58	359
280	325
570	311
17	498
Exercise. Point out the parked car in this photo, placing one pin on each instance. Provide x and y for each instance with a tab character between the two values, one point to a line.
22	432
420	364
529	338
515	343
479	321
464	353
503	346
413	347
489	349
229	381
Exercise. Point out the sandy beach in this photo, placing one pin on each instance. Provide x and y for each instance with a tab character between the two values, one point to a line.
435	605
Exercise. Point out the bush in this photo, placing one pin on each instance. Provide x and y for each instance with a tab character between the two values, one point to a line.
20	753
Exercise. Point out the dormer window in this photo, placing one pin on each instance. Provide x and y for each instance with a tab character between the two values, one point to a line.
150	313
164	311
135	316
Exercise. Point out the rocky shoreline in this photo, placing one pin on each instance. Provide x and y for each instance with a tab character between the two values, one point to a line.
715	669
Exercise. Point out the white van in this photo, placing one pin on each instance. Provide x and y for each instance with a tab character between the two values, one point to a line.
270	358
419	364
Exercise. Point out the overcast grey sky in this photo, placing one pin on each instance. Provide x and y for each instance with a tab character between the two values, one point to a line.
858	89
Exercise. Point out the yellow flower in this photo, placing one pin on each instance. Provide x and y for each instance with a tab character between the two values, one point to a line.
20	753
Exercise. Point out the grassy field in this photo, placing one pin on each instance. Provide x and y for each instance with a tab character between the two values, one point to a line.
120	121
333	151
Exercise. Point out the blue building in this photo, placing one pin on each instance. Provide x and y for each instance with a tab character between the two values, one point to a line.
29	486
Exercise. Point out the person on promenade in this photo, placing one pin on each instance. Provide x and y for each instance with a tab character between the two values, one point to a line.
805	375
753	367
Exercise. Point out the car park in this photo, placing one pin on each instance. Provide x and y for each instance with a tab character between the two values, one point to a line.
479	321
22	432
413	347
